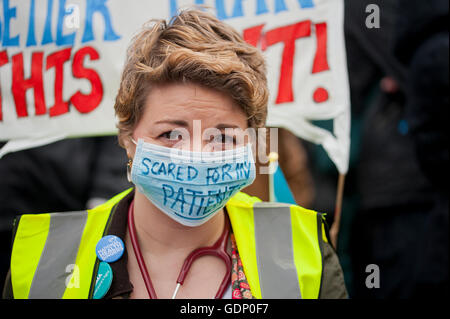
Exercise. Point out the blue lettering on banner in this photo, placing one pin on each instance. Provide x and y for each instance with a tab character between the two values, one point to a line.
306	3
8	14
238	11
173	7
62	39
221	13
280	6
47	37
261	7
94	8
31	40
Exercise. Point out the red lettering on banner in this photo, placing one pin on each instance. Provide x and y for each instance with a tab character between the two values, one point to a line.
320	59
253	35
85	103
57	61
288	35
320	63
320	95
21	85
3	61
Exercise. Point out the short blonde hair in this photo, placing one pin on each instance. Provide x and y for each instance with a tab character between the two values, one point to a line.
193	47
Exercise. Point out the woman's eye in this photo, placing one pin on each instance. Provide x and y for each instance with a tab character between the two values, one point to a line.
171	135
224	139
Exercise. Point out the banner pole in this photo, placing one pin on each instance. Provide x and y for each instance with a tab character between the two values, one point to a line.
273	158
334	230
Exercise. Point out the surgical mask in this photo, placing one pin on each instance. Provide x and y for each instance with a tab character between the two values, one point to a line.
191	187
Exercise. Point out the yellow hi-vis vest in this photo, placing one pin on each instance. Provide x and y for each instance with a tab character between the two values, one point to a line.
280	246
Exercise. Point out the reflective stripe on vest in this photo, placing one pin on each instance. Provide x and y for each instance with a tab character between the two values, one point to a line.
279	246
60	252
49	249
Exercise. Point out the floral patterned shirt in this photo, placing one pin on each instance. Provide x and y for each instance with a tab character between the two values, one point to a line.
239	285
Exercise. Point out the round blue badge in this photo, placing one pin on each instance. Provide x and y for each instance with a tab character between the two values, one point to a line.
103	281
110	248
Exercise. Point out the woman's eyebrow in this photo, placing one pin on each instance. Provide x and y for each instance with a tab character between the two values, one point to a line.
225	126
182	123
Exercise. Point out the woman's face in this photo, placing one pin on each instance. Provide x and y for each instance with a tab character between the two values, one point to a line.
189	116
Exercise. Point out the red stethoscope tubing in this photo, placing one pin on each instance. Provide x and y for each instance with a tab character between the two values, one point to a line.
137	252
219	249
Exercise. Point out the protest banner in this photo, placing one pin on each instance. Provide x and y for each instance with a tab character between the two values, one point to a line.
61	60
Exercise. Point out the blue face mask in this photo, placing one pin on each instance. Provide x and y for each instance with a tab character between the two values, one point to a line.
191	187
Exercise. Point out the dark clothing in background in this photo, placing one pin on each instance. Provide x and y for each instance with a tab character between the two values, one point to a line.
428	115
396	199
423	47
402	223
369	58
62	176
427	109
389	173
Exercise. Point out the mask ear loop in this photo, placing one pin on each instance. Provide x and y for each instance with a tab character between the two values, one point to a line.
130	164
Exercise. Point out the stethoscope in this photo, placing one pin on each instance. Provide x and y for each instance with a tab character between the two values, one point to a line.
218	250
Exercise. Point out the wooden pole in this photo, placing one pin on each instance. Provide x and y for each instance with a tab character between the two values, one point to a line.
334	230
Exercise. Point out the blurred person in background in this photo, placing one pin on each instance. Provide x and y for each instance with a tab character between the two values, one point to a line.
293	160
402	221
423	47
398	156
369	59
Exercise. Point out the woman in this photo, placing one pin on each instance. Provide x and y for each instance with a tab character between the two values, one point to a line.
184	86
